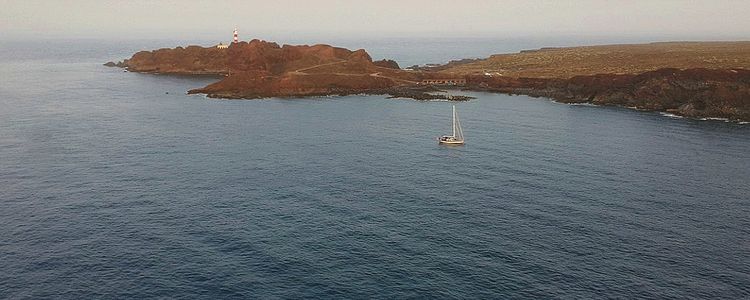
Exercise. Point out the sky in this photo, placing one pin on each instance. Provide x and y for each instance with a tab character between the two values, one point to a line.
709	19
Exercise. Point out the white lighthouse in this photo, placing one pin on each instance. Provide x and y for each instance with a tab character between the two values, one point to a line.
236	39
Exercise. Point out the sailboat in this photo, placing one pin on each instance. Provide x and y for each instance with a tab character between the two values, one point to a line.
457	138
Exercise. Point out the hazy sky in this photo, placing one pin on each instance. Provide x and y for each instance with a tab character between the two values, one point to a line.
209	19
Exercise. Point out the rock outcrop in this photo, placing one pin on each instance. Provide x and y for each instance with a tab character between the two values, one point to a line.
387	63
118	64
191	60
259	69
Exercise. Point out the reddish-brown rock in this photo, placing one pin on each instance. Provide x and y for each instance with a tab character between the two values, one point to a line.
258	69
188	60
387	63
249	85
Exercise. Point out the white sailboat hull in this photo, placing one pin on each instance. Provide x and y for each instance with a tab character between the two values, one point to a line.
449	140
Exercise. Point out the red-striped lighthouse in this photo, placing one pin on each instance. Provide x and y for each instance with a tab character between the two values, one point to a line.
236	39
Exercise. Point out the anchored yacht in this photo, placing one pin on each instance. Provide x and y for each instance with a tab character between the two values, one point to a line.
457	138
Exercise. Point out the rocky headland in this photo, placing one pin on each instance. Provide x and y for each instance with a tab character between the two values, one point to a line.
695	79
260	69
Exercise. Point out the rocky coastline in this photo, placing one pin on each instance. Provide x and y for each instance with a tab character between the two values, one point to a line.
694	93
260	69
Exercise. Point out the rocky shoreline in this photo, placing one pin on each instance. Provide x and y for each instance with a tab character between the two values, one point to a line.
260	69
391	93
693	93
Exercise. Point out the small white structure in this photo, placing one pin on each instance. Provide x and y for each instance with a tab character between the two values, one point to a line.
444	81
222	46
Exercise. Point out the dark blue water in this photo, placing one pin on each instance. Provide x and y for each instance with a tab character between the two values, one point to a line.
111	188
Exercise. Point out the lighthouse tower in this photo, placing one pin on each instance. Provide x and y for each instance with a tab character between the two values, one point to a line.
236	40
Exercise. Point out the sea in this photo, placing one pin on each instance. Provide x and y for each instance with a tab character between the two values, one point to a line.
119	185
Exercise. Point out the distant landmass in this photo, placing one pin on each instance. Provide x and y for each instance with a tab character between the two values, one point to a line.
694	79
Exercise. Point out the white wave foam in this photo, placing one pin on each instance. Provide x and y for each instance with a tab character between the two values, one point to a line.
716	119
669	115
430	100
583	104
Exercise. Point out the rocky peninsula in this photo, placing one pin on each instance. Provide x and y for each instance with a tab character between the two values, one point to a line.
693	79
260	69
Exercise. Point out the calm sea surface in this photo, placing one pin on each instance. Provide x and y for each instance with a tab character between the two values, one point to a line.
118	185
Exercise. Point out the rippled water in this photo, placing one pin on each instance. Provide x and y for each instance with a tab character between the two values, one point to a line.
117	185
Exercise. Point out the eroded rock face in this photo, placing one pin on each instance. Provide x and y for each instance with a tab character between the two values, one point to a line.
387	63
272	59
691	92
249	85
